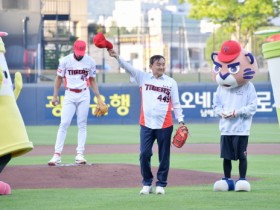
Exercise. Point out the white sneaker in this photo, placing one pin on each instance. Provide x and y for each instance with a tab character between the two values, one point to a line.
146	190
56	159
160	190
80	159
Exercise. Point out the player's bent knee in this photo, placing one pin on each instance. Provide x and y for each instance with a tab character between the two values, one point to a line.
145	155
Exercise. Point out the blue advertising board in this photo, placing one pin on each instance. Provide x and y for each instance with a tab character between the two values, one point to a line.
124	103
196	101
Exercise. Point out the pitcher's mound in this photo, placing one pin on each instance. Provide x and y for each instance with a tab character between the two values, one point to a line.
94	176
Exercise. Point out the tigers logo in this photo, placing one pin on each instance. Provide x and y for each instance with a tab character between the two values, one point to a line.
81	48
226	49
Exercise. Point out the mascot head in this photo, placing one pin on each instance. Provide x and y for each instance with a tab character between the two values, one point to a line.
233	66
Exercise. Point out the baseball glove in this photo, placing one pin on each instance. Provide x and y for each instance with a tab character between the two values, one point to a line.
180	137
101	108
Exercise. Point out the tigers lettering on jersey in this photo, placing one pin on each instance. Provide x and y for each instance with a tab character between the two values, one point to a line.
74	72
158	97
158	89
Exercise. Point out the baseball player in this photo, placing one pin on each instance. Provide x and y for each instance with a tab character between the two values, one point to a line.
78	72
159	94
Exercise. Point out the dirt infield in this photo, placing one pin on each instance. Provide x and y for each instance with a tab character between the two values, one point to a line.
94	176
112	175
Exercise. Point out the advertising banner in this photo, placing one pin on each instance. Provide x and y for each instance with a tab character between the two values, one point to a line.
124	104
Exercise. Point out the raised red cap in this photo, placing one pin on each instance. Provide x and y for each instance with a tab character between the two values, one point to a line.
229	51
100	41
79	47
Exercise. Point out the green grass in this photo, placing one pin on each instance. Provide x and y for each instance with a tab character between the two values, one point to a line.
191	77
198	197
129	134
264	194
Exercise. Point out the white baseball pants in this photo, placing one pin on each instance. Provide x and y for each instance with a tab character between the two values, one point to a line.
74	103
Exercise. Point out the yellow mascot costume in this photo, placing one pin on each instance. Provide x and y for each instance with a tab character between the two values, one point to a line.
13	136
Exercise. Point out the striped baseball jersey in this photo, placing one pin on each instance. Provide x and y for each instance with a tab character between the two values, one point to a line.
158	97
76	73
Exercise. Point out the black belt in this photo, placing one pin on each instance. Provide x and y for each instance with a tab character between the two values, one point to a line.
76	90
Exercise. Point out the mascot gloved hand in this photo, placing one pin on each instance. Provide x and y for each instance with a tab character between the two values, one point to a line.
14	140
18	84
234	103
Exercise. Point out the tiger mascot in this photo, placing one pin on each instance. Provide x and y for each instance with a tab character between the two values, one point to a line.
234	103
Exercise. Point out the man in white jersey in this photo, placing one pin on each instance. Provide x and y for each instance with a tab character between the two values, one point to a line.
78	72
159	94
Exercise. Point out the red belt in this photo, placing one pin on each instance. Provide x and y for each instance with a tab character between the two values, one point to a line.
76	90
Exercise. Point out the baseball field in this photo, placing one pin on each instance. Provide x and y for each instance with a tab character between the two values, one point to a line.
111	179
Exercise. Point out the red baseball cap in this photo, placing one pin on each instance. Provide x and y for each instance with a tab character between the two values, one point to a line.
79	47
229	51
100	41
